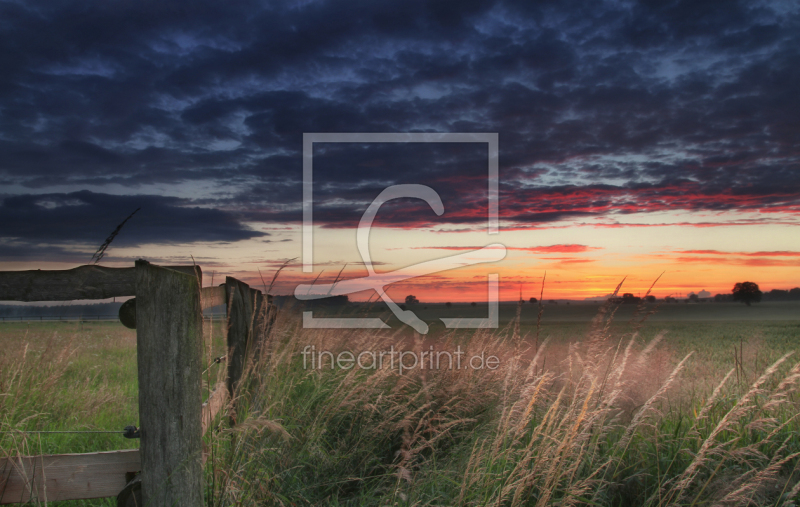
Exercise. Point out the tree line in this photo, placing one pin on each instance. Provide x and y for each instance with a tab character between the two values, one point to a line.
773	295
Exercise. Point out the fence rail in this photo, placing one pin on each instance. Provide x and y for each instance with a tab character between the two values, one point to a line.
167	316
79	318
82	476
56	318
66	476
84	282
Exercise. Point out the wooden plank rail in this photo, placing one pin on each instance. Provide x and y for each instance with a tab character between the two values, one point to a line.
212	296
55	477
84	282
209	297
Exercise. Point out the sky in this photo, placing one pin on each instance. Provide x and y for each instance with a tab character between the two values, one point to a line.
636	140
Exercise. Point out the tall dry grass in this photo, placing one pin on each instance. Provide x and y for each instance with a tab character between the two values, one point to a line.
588	426
599	421
51	380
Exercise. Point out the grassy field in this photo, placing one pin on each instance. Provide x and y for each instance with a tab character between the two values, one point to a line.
614	407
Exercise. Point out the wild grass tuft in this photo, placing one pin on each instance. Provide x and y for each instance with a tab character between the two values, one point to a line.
588	426
608	419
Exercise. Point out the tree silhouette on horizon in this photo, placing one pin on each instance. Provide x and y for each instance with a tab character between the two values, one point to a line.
746	292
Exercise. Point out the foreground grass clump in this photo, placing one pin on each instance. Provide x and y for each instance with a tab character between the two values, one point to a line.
620	416
585	427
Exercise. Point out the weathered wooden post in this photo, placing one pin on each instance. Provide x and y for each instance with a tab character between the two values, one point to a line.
169	338
260	321
240	313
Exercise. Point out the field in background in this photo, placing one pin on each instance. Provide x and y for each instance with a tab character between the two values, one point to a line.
584	312
766	331
586	423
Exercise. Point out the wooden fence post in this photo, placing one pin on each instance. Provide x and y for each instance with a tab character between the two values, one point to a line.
265	313
240	313
169	340
259	321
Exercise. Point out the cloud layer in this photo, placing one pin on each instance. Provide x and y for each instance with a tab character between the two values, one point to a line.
196	113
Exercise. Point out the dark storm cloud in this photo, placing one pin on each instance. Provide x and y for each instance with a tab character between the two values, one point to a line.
601	108
88	218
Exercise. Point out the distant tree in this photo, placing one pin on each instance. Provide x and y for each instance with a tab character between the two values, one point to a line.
474	304
650	299
533	300
448	304
629	298
746	292
694	298
794	293
411	300
670	299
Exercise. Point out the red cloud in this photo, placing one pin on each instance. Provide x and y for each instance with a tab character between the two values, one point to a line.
546	204
559	249
768	262
730	260
533	249
571	260
727	223
781	253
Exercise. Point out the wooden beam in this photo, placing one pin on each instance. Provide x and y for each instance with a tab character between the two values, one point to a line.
54	477
209	296
215	402
84	282
212	296
127	313
169	345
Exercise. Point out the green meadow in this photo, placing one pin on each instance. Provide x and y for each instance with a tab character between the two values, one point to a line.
589	404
